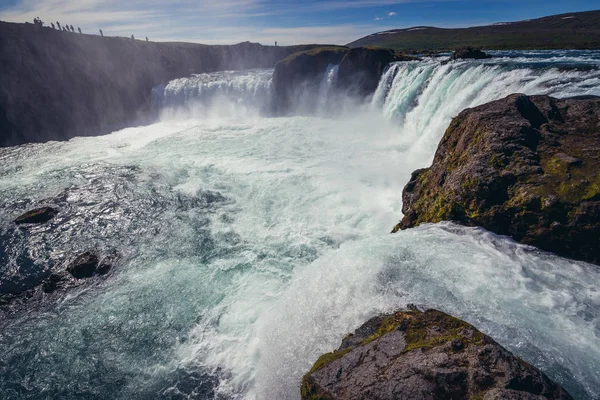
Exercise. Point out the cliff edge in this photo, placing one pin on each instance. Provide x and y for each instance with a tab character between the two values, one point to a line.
56	85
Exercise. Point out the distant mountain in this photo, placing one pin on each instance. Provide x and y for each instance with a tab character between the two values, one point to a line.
566	31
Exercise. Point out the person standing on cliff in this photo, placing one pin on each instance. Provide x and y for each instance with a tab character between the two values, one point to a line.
101	33
79	29
72	29
132	38
52	23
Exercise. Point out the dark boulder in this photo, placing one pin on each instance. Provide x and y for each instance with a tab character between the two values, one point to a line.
362	67
53	282
424	355
302	72
87	265
469	53
37	216
522	166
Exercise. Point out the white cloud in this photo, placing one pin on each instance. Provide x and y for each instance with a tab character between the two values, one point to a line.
391	14
205	21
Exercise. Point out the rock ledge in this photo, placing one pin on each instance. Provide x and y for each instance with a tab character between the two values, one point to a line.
424	355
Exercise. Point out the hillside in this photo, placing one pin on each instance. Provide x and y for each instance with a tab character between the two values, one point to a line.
55	85
565	31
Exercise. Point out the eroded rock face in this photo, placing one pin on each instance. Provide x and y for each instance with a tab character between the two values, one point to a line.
469	53
359	72
522	166
301	72
424	355
57	85
362	67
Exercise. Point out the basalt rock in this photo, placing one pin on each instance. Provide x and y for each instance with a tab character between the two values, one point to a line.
522	166
424	355
37	216
362	67
303	72
469	53
358	75
87	265
56	85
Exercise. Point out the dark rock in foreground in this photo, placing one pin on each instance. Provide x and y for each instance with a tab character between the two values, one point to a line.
424	355
469	53
37	216
522	166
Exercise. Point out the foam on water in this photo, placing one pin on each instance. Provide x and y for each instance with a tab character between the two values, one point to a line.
260	242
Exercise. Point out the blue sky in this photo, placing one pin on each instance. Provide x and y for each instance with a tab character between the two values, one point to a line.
285	21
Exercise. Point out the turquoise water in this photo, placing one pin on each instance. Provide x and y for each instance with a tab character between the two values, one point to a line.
252	244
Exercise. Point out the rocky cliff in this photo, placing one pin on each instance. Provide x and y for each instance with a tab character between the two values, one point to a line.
424	355
522	166
56	85
362	67
302	72
358	75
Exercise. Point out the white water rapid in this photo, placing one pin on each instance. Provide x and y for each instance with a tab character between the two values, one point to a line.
252	244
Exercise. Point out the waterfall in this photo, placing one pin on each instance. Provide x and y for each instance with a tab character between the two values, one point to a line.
422	97
251	245
238	89
327	86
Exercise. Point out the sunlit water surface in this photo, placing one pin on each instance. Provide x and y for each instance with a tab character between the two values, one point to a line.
252	244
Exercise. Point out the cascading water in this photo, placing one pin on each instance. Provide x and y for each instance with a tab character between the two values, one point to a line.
221	90
327	87
251	245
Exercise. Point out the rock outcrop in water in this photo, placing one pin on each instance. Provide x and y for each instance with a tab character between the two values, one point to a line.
303	72
56	85
424	355
37	216
362	67
87	265
359	71
522	166
466	53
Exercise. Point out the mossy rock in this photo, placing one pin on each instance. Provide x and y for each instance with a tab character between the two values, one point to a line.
526	167
412	354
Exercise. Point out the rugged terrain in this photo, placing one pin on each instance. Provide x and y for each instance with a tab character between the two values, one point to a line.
522	166
56	85
301	74
566	31
424	355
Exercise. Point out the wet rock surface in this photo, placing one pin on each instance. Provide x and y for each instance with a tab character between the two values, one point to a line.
103	222
57	85
362	67
424	355
469	53
359	72
522	166
37	216
87	265
302	72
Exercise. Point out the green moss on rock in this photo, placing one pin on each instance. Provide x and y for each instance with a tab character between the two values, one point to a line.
519	166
